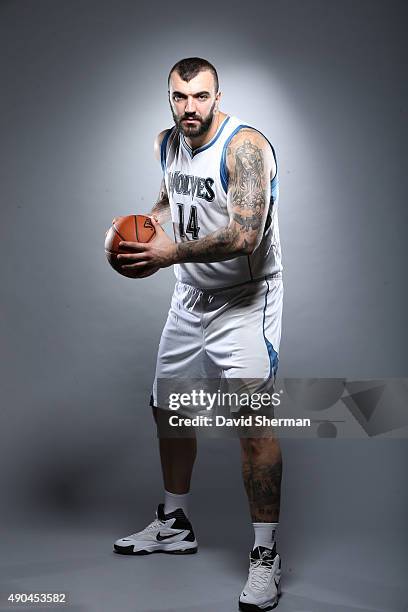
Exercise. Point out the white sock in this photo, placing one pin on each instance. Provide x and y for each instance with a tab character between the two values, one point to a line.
264	534
172	501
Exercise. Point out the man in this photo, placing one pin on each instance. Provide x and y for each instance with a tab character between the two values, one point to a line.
220	189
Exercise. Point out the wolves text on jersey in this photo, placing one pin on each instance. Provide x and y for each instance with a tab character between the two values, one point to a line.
195	186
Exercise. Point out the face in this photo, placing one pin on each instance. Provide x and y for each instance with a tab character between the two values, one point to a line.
193	103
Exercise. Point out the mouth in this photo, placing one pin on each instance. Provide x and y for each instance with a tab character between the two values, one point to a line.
190	120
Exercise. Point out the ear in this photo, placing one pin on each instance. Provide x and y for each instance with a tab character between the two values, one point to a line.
217	100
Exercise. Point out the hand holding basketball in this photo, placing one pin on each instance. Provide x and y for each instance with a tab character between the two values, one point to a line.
141	258
136	229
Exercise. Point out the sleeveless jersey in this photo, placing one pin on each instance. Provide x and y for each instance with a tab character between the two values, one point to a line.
197	184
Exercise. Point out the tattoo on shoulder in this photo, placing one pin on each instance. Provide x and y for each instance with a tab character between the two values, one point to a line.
248	189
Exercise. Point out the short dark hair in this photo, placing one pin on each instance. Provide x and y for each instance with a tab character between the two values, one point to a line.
189	67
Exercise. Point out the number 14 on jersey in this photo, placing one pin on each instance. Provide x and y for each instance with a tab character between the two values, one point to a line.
192	227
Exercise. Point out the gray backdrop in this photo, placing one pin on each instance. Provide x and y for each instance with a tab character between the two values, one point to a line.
83	94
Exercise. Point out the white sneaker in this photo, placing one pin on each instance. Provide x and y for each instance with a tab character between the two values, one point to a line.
168	533
262	589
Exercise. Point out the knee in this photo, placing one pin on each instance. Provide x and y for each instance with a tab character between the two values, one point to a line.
256	448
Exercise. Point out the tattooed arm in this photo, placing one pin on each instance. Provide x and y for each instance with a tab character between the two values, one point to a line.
161	209
250	166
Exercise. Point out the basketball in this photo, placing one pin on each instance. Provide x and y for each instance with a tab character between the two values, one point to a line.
133	228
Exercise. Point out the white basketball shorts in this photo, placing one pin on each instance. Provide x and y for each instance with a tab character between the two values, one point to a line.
231	333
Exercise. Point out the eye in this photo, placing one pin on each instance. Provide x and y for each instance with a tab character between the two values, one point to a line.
203	97
176	97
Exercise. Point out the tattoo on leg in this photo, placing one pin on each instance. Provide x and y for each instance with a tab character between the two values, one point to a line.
262	484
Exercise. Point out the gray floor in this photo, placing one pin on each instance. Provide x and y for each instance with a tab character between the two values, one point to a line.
354	574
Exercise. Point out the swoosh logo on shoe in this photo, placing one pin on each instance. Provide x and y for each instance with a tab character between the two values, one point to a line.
244	594
160	537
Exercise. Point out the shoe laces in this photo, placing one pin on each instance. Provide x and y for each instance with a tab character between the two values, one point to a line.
259	573
156	524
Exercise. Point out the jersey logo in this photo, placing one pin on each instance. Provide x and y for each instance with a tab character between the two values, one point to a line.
194	186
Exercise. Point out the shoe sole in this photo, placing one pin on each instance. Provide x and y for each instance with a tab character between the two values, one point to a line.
245	607
128	550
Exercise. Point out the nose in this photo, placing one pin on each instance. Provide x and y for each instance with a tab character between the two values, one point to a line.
190	105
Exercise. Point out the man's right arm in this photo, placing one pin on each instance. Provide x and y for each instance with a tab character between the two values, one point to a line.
161	209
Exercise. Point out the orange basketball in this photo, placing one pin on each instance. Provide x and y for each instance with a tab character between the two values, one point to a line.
133	228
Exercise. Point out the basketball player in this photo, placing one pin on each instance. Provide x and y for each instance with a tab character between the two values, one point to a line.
220	189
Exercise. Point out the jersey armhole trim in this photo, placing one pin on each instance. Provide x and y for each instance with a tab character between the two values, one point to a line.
223	165
163	149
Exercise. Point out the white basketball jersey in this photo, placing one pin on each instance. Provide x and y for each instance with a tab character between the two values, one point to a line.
197	184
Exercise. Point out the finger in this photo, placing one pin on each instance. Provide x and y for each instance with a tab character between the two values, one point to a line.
156	225
134	246
151	216
115	220
141	265
128	257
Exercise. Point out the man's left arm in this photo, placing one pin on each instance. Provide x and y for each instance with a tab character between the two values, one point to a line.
250	165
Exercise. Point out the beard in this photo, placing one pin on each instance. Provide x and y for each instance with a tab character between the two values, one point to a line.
194	131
